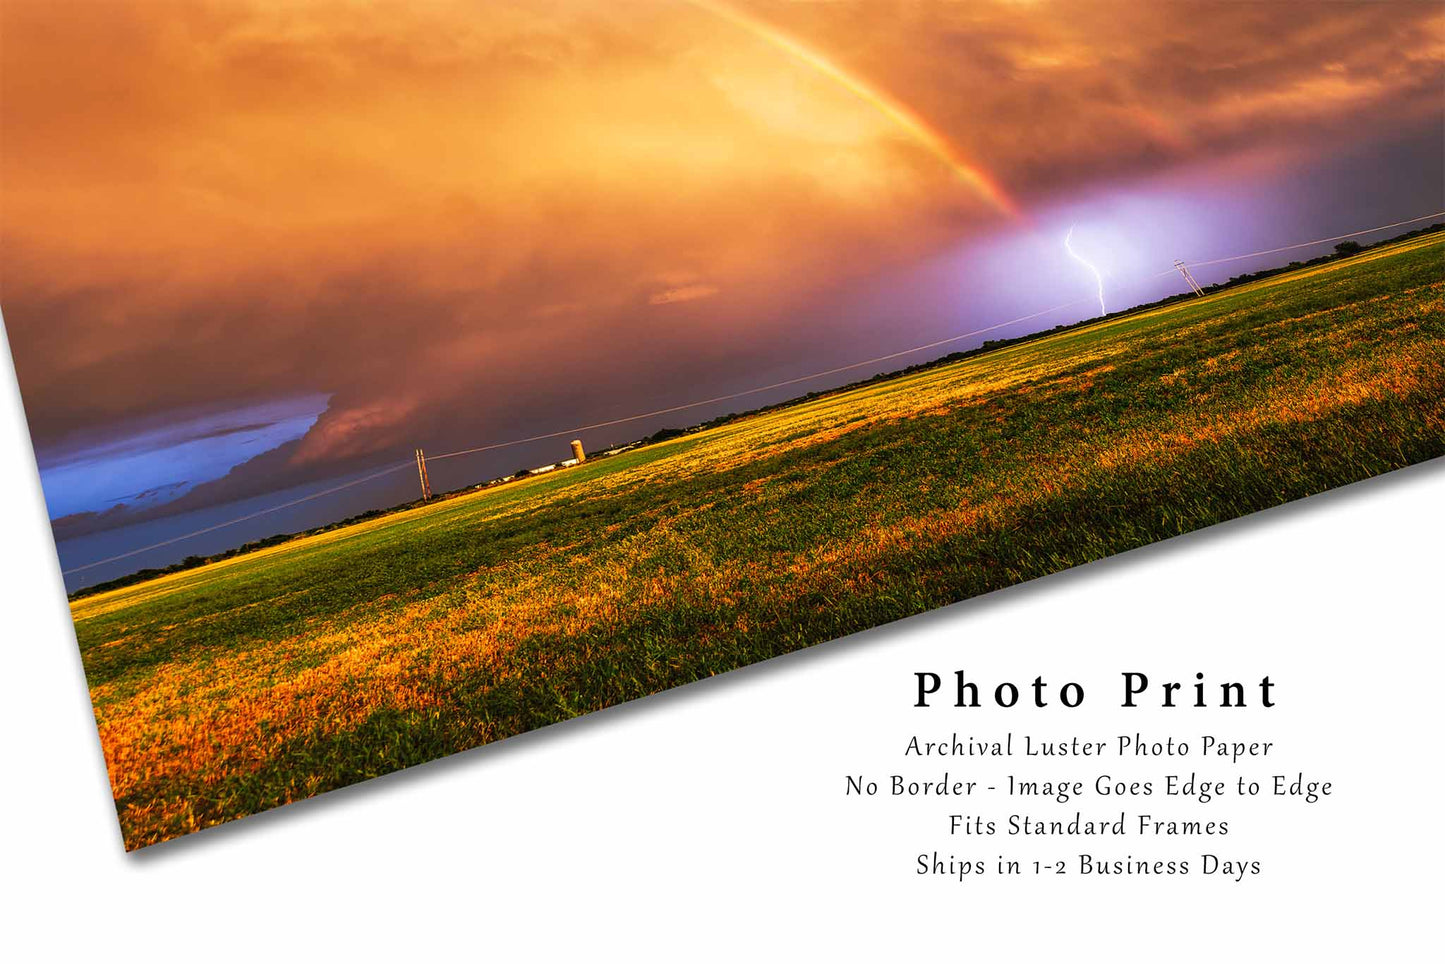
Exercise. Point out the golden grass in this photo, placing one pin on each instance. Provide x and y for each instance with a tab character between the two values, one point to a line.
178	733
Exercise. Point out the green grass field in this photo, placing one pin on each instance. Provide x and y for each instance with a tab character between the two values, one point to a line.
248	683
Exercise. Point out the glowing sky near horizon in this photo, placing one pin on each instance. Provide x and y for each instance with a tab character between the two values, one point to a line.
464	222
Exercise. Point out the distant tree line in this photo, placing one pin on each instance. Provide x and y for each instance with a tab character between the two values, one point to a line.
1344	249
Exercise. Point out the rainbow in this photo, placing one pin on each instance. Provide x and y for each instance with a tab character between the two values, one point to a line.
899	114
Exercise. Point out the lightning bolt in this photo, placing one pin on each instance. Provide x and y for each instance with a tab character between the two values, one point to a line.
1068	246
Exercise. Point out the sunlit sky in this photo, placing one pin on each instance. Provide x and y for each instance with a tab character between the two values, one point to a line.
334	232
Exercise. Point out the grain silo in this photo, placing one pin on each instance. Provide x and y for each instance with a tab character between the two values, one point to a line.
577	452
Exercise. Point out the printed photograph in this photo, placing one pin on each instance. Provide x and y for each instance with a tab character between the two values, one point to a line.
406	376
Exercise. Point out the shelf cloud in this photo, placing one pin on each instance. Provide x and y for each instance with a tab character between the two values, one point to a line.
437	215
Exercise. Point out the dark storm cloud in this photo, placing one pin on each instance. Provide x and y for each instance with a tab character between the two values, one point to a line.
467	224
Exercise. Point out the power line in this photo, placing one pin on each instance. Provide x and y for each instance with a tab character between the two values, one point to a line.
245	518
889	357
1183	270
1302	244
698	404
764	388
1306	244
417	463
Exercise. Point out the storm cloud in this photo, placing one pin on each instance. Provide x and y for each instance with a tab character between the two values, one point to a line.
468	221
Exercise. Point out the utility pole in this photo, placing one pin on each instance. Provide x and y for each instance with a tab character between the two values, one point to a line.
1193	285
421	474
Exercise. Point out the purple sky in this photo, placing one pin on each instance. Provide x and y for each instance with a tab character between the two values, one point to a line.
251	249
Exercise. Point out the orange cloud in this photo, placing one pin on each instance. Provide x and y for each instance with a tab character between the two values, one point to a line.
439	213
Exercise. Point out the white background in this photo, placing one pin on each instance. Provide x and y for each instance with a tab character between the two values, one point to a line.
711	821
